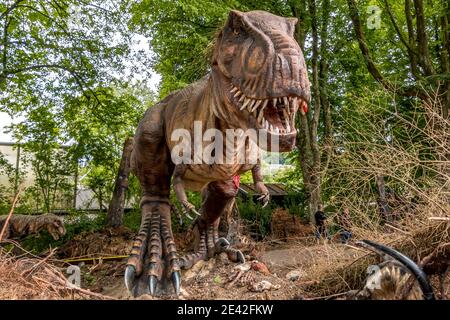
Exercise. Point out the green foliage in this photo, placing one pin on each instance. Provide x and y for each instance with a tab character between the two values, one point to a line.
257	218
181	33
132	219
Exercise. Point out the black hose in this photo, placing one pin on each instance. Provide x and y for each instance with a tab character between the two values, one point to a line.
421	277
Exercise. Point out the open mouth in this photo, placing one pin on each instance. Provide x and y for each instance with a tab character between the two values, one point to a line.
276	115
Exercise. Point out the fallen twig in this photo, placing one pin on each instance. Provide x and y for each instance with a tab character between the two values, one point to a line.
439	218
11	211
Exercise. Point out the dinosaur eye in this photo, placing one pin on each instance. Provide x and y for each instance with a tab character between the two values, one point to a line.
236	32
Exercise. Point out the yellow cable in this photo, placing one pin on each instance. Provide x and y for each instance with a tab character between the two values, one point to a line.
98	258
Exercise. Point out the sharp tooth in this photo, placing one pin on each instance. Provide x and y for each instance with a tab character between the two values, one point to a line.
286	102
242	98
288	127
249	107
234	89
261	116
294	104
270	127
246	102
264	104
237	94
275	102
266	125
256	105
286	116
277	130
242	107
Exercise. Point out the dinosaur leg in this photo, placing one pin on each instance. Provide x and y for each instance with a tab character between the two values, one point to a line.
153	262
216	199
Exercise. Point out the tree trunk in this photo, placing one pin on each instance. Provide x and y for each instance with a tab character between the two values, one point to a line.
308	142
117	204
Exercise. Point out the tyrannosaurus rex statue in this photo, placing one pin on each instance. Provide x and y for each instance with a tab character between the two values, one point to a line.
257	81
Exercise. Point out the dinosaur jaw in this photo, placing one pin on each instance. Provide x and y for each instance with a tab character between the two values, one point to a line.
276	115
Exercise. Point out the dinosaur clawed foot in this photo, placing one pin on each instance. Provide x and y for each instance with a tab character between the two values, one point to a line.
153	262
209	245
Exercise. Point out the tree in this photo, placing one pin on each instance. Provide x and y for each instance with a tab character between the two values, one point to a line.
117	203
427	69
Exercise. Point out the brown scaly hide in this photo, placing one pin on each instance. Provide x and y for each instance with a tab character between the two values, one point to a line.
23	225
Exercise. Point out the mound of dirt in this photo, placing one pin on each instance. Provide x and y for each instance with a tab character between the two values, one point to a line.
108	242
285	226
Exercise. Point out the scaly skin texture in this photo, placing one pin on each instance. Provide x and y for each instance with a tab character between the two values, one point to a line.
22	225
258	80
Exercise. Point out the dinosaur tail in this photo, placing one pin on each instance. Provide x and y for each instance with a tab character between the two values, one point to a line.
421	277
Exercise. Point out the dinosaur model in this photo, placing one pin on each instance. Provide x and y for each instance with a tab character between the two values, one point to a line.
257	81
390	280
22	225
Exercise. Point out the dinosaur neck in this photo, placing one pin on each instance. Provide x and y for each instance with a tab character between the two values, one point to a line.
223	115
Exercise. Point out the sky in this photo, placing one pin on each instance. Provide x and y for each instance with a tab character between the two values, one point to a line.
141	43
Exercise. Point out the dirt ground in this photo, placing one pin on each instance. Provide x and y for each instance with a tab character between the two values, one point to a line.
274	270
287	265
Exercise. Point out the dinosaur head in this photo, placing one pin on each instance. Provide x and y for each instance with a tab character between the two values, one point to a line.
263	73
55	226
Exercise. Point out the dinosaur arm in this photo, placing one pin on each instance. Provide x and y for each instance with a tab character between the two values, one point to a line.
259	184
180	192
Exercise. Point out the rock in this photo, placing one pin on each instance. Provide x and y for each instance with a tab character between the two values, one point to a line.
260	267
184	293
207	268
192	272
294	275
243	267
263	286
223	258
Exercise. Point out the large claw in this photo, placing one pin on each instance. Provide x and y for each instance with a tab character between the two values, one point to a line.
130	273
189	207
264	199
240	256
222	244
196	212
176	281
152	283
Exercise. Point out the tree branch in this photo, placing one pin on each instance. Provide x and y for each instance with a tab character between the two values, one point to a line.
411	37
5	40
422	39
8	10
397	29
376	74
